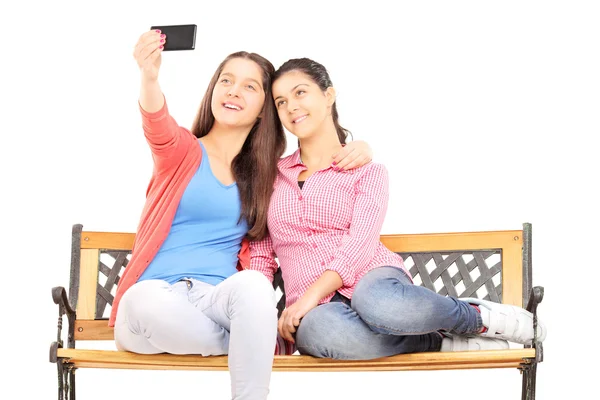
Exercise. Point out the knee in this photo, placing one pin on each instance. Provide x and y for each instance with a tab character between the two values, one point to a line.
381	280
134	303
255	287
369	294
379	290
331	330
133	309
313	338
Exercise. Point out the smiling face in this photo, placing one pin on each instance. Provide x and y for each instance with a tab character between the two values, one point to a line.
238	96
303	107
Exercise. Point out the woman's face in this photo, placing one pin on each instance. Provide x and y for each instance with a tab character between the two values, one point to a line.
302	106
238	96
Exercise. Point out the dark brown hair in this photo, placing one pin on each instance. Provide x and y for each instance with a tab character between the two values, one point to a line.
255	167
318	73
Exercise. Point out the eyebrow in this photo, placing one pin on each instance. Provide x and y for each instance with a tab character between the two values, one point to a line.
294	88
249	79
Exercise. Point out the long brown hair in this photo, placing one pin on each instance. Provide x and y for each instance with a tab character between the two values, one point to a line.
255	167
318	73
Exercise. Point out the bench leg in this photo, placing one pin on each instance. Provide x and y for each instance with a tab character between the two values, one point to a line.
72	383
66	381
529	372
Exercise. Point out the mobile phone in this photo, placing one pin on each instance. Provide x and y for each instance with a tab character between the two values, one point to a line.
179	37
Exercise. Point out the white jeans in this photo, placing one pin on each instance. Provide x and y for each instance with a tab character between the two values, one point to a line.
236	317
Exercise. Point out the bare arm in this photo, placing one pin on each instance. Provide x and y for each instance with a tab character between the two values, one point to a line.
327	283
151	96
147	53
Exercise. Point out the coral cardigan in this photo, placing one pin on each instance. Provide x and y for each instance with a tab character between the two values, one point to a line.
176	156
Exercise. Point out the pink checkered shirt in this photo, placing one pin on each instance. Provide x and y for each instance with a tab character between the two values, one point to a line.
332	223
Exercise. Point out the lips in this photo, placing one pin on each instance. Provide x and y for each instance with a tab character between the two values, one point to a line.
232	106
297	120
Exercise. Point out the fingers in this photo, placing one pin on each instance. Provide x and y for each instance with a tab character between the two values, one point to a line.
286	326
344	158
359	161
283	330
280	324
343	153
349	158
287	329
149	47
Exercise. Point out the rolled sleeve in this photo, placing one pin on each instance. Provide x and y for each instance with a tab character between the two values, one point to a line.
262	257
358	246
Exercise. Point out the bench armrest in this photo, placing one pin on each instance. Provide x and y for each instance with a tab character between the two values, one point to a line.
59	295
535	298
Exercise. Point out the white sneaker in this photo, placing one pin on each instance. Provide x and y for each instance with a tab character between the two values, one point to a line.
471	343
508	322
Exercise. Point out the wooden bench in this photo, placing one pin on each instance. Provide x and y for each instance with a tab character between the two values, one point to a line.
495	265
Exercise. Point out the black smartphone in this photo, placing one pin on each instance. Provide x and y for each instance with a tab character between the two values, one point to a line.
179	37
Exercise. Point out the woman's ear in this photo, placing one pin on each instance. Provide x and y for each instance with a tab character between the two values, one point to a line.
330	95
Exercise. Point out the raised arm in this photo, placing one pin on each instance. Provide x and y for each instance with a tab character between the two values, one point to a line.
168	141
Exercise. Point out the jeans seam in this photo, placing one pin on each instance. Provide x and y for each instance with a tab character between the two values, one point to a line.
396	331
214	302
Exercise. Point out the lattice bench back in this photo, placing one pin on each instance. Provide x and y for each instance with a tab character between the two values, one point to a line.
493	265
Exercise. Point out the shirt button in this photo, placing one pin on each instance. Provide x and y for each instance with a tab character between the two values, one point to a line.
300	197
323	263
315	246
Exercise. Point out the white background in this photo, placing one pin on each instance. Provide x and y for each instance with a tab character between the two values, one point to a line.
485	114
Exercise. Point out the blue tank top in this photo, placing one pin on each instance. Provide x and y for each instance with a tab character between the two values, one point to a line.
205	236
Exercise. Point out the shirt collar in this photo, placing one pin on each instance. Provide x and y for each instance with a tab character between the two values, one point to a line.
294	160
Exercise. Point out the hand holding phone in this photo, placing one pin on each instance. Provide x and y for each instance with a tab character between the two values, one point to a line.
147	53
178	37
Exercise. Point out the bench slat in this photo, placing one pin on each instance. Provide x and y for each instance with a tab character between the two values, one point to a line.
88	282
418	361
107	240
93	330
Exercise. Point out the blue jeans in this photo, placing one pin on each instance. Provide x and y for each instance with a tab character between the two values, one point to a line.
387	315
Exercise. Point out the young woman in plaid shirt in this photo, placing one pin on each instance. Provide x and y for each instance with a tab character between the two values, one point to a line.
347	295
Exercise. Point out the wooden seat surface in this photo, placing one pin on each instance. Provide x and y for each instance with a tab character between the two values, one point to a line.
112	359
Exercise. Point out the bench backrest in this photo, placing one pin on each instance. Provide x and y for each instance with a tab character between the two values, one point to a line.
492	265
